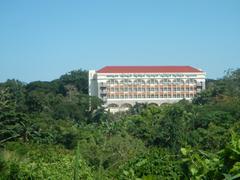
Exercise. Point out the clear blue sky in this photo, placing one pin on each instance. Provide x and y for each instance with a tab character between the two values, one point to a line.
41	40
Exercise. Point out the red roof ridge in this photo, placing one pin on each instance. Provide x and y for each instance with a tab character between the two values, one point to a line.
148	69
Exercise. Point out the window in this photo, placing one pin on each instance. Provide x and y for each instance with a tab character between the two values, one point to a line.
152	81
113	81
166	81
191	81
126	81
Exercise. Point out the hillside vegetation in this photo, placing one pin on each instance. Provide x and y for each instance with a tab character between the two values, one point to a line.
47	131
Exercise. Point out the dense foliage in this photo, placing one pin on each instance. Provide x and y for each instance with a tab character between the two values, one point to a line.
48	131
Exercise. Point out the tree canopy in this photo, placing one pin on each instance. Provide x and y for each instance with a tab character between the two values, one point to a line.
48	131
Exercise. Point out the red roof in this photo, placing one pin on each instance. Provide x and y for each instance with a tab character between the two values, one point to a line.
148	69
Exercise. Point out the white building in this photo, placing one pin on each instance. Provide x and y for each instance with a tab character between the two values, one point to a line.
120	87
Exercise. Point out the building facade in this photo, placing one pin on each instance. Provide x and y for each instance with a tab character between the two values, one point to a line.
120	87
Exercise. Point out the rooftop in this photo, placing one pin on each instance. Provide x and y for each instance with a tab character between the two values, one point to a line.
148	69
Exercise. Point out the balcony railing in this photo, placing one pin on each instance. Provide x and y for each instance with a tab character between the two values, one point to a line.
103	91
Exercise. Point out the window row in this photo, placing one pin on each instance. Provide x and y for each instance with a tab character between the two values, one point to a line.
150	96
149	89
152	81
150	75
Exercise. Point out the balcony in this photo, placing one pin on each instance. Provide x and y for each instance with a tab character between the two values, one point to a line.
103	91
104	85
104	99
199	87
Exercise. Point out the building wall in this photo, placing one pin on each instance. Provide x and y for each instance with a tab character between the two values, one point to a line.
92	83
122	90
